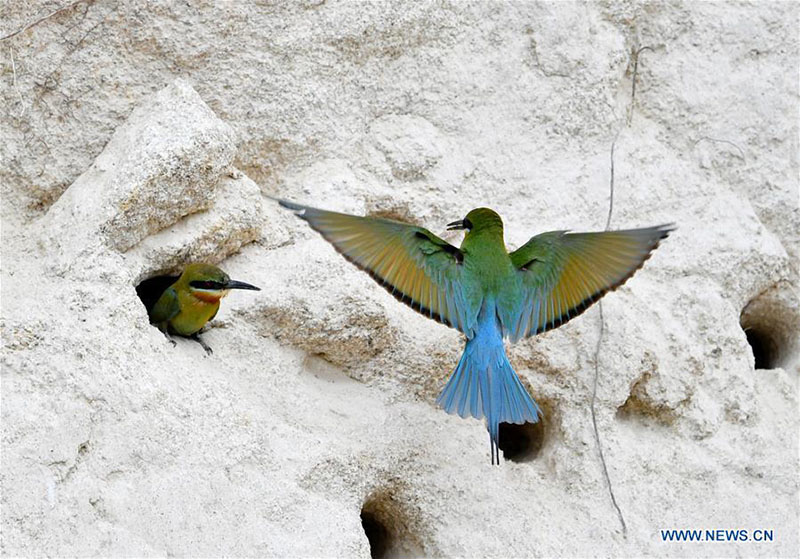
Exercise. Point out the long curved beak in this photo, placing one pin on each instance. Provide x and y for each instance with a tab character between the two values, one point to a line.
234	284
456	225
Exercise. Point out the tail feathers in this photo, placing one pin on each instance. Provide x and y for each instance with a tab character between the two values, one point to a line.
464	392
486	386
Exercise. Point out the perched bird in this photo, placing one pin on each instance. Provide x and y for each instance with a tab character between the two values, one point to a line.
486	292
186	305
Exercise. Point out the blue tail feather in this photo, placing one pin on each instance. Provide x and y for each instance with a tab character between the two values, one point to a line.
485	385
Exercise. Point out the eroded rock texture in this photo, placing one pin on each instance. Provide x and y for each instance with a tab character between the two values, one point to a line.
139	136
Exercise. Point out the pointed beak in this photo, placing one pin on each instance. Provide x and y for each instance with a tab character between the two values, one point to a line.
233	284
456	225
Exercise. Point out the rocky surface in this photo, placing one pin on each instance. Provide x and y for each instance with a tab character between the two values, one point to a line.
138	137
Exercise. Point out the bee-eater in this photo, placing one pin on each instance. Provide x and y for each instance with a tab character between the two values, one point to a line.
188	304
486	292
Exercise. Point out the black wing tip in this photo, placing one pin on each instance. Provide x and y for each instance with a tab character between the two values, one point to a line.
665	229
289	205
658	232
661	232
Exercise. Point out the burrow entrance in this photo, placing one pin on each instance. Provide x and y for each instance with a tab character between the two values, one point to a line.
378	535
388	527
521	443
771	322
524	443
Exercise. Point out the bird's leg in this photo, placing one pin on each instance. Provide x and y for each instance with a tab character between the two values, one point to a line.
196	337
169	338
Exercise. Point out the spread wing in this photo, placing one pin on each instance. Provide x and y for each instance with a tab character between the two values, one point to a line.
166	307
562	274
417	267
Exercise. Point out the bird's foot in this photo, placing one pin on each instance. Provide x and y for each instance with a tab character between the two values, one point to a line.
200	341
169	339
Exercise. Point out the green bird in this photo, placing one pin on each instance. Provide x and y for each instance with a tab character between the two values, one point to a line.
187	304
486	292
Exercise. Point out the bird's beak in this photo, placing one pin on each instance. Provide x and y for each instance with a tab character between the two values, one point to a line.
456	225
233	284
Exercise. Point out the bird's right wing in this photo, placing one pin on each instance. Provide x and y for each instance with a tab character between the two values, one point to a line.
417	267
166	307
562	274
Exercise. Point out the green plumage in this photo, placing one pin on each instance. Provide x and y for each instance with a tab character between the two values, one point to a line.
486	292
189	303
552	278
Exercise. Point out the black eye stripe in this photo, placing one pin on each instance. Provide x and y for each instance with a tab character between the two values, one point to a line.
467	223
206	284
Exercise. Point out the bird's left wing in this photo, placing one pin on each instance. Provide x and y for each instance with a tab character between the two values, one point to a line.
151	290
417	267
166	308
562	274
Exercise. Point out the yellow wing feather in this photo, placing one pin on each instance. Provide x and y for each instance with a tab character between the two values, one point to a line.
563	274
417	267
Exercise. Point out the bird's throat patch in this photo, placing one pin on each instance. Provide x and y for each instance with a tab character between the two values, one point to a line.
209	296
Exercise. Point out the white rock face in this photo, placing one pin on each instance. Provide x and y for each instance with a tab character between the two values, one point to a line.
168	156
409	145
138	138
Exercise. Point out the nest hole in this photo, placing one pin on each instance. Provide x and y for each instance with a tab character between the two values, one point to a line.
524	442
765	350
378	535
521	443
771	322
388	529
150	289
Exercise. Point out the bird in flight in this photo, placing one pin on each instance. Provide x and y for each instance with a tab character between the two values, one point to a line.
486	292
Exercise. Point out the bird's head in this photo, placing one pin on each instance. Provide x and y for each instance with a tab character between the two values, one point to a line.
210	284
478	220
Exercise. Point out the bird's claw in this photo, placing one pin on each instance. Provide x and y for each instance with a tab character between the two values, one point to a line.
169	338
205	346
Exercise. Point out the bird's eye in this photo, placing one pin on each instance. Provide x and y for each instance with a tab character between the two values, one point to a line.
467	224
205	284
